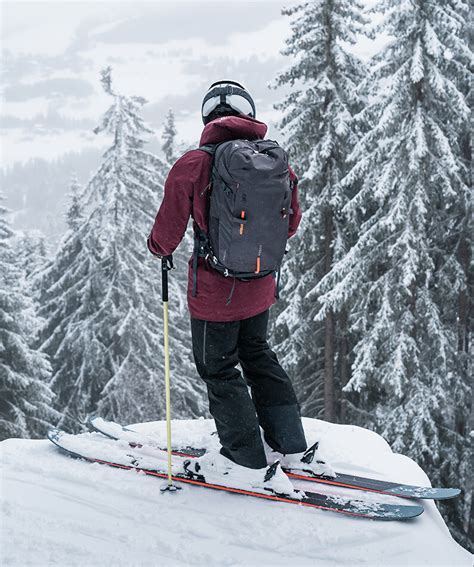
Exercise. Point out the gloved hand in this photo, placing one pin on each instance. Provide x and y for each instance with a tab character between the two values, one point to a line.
168	262
168	259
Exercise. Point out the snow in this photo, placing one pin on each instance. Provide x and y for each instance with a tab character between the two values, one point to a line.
61	511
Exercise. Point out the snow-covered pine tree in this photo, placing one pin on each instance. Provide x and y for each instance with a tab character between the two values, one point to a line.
25	403
109	350
124	196
124	327
74	214
405	276
32	256
169	138
319	134
33	251
62	284
454	287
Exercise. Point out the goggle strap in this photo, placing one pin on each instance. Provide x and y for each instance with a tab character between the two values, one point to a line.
223	91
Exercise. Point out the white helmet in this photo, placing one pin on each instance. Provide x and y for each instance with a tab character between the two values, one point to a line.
224	98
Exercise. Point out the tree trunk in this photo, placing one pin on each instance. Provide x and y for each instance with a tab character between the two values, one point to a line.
464	303
343	364
329	388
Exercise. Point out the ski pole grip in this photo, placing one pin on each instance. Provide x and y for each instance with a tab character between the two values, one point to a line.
164	279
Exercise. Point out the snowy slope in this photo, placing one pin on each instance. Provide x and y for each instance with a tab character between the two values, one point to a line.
60	511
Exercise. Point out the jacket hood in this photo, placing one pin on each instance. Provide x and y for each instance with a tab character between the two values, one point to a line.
232	128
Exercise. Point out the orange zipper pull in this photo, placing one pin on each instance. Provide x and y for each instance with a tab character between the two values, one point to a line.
242	216
258	265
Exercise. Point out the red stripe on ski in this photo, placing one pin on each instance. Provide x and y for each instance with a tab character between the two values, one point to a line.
321	480
223	488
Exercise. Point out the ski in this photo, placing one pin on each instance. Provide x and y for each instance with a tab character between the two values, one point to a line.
111	454
136	439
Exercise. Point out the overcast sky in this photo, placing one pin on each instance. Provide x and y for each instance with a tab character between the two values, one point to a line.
168	52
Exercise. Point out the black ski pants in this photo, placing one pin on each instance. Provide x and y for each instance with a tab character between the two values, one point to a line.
218	348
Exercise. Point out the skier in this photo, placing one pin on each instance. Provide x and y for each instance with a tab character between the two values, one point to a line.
229	317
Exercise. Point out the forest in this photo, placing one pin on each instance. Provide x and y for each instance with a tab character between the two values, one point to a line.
373	322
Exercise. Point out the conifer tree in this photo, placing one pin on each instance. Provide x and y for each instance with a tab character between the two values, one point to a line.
456	285
403	276
32	256
320	133
74	214
169	138
25	403
33	252
62	284
108	353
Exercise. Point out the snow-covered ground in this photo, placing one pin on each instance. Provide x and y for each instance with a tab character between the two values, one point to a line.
61	511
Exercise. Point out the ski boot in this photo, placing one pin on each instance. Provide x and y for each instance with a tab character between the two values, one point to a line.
307	463
215	468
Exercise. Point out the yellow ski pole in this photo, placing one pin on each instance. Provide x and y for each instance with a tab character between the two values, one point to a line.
166	265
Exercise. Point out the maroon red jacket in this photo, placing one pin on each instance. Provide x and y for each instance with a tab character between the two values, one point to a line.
185	195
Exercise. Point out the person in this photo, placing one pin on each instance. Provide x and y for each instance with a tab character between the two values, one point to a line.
227	333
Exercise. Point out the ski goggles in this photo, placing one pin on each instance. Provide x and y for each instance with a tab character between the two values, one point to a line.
232	95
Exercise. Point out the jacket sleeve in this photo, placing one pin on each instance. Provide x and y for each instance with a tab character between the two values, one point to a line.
295	216
175	209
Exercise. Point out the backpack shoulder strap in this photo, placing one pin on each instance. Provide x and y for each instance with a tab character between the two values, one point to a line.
200	238
208	148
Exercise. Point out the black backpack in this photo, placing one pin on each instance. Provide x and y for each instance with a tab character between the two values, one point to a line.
249	209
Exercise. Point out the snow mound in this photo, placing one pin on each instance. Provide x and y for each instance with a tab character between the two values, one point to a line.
61	511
